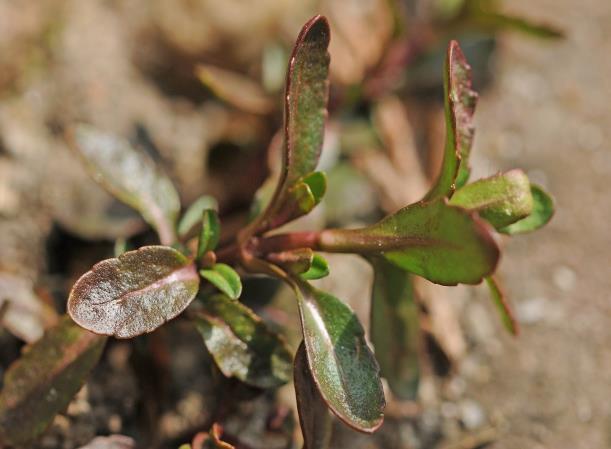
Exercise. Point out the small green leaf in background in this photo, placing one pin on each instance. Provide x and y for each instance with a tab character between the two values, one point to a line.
343	366
241	343
500	200
542	212
131	176
395	328
134	293
460	101
314	414
44	380
224	278
507	316
318	269
317	181
210	232
194	213
307	91
442	243
235	89
494	21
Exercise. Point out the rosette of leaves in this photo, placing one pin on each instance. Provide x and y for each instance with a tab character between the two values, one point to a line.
449	237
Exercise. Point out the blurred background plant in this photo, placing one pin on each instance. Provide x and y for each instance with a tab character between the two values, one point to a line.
198	85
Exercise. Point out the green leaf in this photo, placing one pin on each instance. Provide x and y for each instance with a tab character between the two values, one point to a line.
442	243
497	21
224	278
44	380
507	316
235	89
341	363
131	176
317	182
241	343
307	91
460	101
542	212
194	213
500	200
395	328
296	261
319	269
314	415
210	233
134	293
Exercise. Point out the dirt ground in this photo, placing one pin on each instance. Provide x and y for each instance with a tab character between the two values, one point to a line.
549	113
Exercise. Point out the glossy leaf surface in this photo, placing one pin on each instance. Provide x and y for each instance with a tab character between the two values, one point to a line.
460	101
501	303
45	379
224	278
341	363
314	416
193	214
210	233
241	344
500	200
305	112
235	89
318	269
131	176
442	243
134	293
542	212
395	328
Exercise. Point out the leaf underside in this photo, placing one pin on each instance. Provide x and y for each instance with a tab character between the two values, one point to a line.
134	293
314	416
241	343
341	363
45	379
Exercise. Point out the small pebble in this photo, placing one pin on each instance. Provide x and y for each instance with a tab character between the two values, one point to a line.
472	415
564	278
532	311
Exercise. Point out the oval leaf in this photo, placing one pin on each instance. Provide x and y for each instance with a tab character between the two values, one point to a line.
194	213
241	344
318	269
500	200
210	233
341	363
395	328
314	415
460	101
305	111
296	261
224	278
131	176
542	213
444	244
134	293
45	379
507	315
